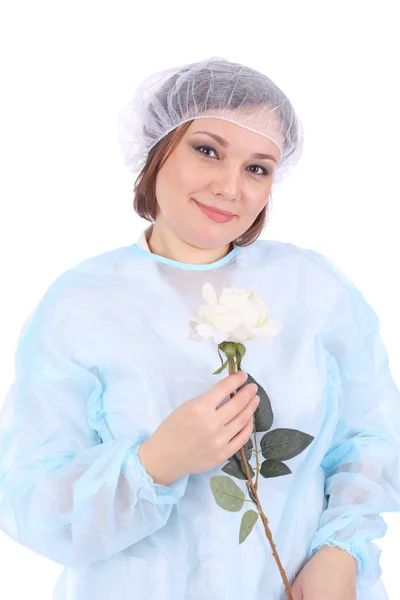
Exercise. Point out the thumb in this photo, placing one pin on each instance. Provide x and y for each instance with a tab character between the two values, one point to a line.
297	593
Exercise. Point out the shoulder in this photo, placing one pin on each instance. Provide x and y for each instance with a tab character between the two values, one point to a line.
323	284
346	295
80	287
310	261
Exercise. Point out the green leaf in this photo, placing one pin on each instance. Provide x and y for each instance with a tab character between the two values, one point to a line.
249	519
220	356
240	352
251	493
248	451
235	465
241	348
263	416
274	468
283	444
236	469
227	494
222	367
228	348
238	361
248	444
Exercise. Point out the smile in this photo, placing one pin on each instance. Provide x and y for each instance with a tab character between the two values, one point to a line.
212	214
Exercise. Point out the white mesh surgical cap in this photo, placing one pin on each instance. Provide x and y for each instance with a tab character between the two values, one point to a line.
213	87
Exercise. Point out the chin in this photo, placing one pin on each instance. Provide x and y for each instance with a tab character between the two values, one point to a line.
210	242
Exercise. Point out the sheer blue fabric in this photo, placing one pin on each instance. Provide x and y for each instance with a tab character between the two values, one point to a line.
105	357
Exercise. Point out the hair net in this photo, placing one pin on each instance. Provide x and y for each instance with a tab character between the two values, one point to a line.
213	87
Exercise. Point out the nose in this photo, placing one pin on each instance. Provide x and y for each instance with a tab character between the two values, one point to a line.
227	182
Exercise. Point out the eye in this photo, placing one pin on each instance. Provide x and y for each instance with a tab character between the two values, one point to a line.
199	148
264	171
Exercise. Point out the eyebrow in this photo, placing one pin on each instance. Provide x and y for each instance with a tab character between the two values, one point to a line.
225	144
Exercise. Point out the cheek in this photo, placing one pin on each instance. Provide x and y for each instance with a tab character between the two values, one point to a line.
256	199
166	190
178	179
190	177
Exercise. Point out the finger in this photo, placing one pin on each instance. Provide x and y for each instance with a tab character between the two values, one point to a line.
225	387
240	420
240	439
240	404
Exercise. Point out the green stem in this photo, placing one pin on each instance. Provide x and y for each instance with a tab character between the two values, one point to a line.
232	369
257	469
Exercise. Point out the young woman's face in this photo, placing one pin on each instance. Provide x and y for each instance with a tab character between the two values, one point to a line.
220	172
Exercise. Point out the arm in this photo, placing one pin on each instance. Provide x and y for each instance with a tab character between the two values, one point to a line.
63	493
362	463
153	460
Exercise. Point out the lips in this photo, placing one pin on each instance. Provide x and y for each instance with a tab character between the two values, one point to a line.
214	215
226	213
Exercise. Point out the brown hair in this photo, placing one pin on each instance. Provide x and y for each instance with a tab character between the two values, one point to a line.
145	201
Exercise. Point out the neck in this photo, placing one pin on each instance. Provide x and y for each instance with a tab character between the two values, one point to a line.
163	242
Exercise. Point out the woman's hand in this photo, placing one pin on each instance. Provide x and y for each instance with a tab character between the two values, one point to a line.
198	435
330	574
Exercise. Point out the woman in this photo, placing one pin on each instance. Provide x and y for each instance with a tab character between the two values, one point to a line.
116	422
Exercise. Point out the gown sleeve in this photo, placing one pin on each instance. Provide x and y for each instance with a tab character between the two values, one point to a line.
63	492
361	465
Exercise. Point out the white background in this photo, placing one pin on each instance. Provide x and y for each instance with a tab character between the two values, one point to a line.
68	68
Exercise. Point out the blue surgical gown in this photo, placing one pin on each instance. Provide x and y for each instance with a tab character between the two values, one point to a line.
104	358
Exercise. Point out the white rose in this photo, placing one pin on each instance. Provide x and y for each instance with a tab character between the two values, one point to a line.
238	316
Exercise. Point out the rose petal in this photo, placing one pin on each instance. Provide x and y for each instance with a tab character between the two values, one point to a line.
208	331
209	294
238	316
